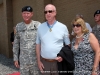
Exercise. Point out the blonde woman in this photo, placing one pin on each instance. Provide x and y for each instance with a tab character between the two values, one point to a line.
85	48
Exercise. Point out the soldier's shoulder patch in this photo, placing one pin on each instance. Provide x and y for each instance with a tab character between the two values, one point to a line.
20	26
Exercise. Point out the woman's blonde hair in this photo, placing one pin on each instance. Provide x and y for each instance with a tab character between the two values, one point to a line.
82	23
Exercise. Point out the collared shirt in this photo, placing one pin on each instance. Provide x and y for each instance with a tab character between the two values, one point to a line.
52	41
88	27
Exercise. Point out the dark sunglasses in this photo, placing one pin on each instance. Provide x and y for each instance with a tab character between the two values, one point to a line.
49	11
77	25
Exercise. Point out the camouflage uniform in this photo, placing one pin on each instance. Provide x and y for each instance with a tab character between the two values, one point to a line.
25	39
96	32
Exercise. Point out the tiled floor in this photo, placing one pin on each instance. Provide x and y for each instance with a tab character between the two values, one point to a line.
6	65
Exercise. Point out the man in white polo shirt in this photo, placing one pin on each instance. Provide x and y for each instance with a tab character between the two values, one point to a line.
51	36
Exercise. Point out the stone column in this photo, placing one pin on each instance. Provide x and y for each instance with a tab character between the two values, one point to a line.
8	27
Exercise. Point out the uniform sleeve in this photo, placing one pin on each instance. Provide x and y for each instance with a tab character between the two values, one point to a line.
93	29
39	24
16	46
66	36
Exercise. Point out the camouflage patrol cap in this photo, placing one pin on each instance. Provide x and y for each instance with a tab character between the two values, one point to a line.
27	8
97	12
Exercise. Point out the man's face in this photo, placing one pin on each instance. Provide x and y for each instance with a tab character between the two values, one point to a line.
27	15
50	13
97	18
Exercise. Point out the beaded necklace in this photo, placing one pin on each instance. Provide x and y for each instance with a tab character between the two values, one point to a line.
80	36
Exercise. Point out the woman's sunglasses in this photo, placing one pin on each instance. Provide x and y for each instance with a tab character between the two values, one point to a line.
77	25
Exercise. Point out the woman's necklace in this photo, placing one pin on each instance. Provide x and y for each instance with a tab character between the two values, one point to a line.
79	36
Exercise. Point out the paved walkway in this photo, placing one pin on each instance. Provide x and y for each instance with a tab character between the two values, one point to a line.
6	65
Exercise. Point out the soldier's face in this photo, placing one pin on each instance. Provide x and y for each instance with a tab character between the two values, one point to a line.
27	15
97	18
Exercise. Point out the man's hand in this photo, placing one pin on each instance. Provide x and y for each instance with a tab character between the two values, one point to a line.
16	63
41	66
59	59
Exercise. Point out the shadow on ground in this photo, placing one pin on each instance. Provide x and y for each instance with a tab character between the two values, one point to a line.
6	65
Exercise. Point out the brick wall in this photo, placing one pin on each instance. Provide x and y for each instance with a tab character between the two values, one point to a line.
67	9
5	27
10	15
1	28
37	6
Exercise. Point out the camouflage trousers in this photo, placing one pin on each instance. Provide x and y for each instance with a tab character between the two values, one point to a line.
29	70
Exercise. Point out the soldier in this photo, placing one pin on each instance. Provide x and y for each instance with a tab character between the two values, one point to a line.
25	40
96	28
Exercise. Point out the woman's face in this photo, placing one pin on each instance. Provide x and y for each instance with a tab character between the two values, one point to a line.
77	28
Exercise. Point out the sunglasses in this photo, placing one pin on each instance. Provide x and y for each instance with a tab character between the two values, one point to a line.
77	25
49	11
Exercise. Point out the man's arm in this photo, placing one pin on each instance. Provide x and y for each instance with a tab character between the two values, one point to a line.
40	65
16	49
66	37
38	52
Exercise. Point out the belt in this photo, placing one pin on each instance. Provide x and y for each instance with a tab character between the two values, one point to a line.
49	60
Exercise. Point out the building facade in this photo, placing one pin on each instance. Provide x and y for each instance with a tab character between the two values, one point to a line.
10	15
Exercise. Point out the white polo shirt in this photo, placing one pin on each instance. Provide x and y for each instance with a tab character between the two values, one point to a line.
52	42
